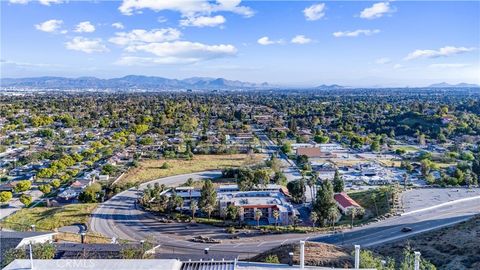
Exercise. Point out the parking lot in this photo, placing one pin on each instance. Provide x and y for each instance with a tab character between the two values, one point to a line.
422	198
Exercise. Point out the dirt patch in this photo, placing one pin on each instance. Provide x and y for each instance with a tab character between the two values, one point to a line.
316	254
455	247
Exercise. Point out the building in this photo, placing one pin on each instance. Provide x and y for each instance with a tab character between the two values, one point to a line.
345	203
314	152
264	198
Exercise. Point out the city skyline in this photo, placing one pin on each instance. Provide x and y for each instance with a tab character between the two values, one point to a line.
303	43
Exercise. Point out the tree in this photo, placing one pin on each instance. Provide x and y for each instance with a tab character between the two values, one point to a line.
373	197
333	215
42	251
369	260
276	216
313	218
45	189
233	211
55	183
258	215
297	190
280	178
324	201
338	184
90	194
193	208
262	177
208	197
375	146
286	148
352	212
5	196
26	199
22	186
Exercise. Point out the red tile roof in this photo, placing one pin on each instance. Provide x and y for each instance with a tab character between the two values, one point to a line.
345	201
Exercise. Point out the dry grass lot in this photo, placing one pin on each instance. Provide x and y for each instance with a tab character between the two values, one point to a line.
47	219
317	254
152	169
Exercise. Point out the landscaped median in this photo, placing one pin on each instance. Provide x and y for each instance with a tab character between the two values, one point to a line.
153	169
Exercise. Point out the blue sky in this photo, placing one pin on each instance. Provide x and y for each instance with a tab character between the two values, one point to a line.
295	43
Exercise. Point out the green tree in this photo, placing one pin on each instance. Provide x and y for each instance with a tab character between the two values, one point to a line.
333	214
45	189
314	218
338	184
55	183
324	201
22	186
258	216
276	216
26	199
208	197
286	148
193	208
5	196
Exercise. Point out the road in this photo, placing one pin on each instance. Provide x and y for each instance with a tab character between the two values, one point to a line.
120	218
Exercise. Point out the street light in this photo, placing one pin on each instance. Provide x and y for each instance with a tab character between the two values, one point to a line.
82	236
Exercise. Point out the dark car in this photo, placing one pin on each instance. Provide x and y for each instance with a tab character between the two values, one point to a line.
406	229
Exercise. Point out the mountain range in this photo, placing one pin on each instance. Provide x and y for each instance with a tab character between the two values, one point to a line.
130	82
447	85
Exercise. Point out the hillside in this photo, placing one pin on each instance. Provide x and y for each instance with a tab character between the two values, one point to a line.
455	247
317	254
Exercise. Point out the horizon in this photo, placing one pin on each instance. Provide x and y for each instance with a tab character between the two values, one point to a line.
297	44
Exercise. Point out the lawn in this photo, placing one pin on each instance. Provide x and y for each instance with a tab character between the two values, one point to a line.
364	198
47	219
152	169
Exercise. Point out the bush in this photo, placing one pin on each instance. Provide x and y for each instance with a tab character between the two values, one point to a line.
165	166
23	186
272	259
230	230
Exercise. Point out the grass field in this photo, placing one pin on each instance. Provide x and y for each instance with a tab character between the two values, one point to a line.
152	169
364	198
46	219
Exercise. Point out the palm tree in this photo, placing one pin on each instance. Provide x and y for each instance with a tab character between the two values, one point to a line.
193	208
276	216
311	184
241	213
373	197
313	218
209	209
353	213
333	215
223	213
258	215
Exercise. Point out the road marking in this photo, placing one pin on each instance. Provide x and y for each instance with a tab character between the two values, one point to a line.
441	205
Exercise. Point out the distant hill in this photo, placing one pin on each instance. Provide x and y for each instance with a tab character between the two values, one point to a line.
130	82
447	85
330	87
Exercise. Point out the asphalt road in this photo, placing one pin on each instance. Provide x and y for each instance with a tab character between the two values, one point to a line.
120	218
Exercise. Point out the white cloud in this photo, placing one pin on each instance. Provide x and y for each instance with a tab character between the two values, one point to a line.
398	66
118	25
48	2
187	8
85	27
301	39
383	60
86	45
267	41
177	52
21	2
203	21
442	52
49	26
43	2
449	65
356	33
138	36
314	12
377	10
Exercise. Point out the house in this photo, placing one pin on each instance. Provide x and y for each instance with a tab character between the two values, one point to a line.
345	203
314	152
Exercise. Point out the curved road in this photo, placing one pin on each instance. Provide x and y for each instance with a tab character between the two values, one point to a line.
119	218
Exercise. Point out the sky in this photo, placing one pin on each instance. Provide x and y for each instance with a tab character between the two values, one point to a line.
290	43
